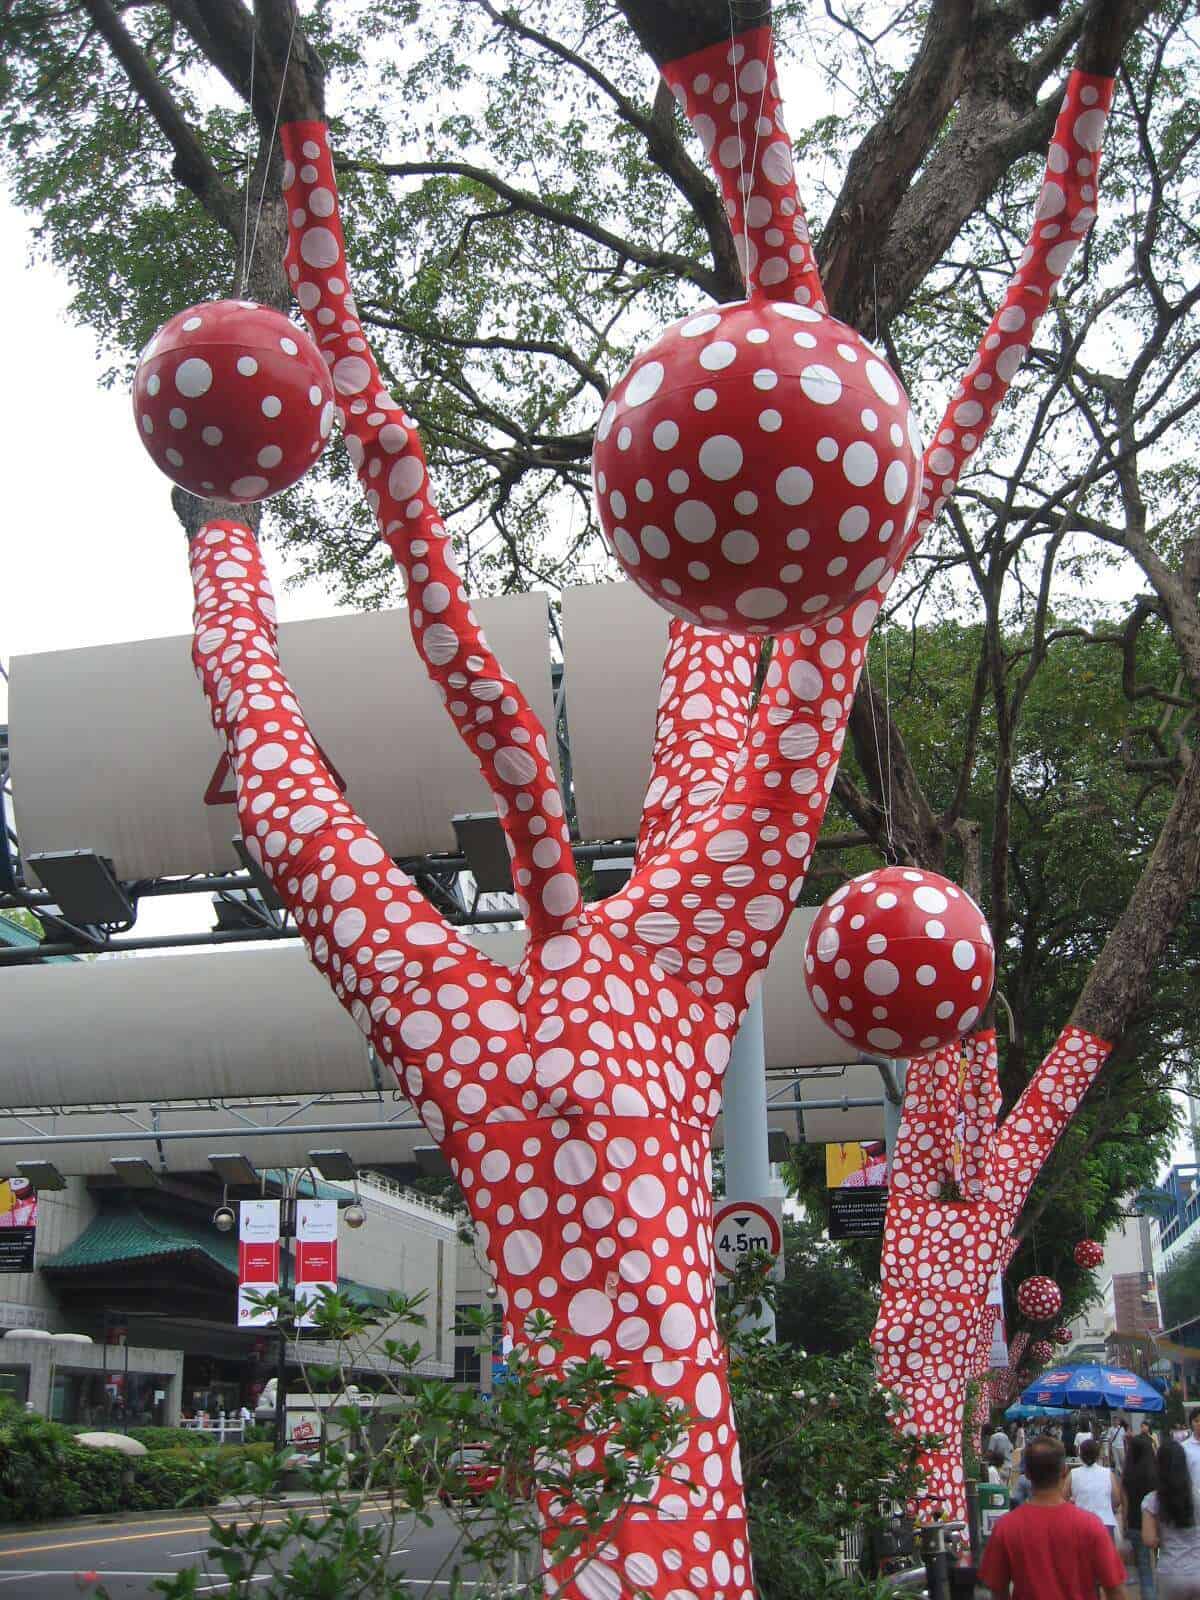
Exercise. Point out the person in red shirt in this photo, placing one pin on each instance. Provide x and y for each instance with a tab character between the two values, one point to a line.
1049	1549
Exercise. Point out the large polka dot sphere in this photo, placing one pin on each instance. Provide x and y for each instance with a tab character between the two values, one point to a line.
1088	1253
757	468
1062	1335
1041	1352
1039	1299
899	961
233	401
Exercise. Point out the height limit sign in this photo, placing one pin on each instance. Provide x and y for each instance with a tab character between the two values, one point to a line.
743	1227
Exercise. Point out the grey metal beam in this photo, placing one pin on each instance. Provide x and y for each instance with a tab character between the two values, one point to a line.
153	1135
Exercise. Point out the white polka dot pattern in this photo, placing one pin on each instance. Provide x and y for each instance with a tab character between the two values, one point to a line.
1039	1299
1089	1253
730	95
757	468
232	401
575	1098
488	709
900	961
1041	1353
941	1254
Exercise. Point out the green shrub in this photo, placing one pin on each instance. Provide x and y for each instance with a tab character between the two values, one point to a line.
45	1472
163	1482
171	1438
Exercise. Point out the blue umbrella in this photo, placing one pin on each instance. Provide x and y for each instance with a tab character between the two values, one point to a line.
1020	1413
1092	1388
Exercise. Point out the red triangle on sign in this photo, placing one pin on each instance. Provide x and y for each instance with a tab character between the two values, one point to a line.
222	790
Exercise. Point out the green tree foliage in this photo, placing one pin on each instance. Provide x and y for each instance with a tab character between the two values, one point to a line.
825	1305
1082	829
1179	1289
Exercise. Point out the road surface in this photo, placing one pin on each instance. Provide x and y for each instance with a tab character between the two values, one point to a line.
128	1556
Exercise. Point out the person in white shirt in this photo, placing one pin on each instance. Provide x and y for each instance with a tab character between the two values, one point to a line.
1191	1448
1095	1488
1002	1443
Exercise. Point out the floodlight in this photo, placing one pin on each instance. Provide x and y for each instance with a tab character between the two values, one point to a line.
431	1161
234	1170
481	840
609	876
354	1215
136	1171
42	1174
84	886
224	1219
336	1165
241	910
257	876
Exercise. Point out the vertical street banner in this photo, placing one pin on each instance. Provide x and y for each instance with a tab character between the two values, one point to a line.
316	1253
258	1259
18	1224
998	1358
856	1177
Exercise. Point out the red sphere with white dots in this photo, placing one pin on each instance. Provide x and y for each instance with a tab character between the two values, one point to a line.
757	468
899	961
1062	1335
1039	1299
233	401
1041	1352
1088	1253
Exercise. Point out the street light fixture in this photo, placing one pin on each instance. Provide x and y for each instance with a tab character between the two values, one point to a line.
85	887
481	840
42	1175
224	1219
136	1171
336	1165
233	1169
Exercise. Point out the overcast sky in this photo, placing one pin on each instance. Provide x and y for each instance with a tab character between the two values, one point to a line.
91	550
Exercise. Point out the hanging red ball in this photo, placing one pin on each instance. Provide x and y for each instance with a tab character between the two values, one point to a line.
233	401
1062	1334
757	468
1039	1299
1088	1253
899	961
1041	1352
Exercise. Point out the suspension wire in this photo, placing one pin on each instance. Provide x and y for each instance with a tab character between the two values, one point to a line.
249	153
885	787
262	193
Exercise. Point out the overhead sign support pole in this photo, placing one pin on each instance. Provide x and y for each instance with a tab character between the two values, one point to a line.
747	1165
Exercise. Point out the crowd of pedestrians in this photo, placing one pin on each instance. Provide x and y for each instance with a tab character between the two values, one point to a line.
1122	1495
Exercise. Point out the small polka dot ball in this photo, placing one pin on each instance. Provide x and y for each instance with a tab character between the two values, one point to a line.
233	401
757	468
1062	1335
1039	1299
1041	1352
1088	1253
899	961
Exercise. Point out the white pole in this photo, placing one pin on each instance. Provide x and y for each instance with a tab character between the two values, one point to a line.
747	1165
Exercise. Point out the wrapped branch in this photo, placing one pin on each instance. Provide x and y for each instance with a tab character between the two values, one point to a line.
488	709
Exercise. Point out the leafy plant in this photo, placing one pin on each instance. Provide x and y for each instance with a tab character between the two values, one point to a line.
821	1454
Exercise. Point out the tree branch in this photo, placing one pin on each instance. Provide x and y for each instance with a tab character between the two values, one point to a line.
665	261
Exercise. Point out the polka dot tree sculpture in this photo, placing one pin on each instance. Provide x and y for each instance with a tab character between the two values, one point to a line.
575	1097
232	400
1039	1299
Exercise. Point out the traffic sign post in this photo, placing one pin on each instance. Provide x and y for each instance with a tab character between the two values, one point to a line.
743	1227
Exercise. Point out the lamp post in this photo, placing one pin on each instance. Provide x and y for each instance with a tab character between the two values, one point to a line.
225	1219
